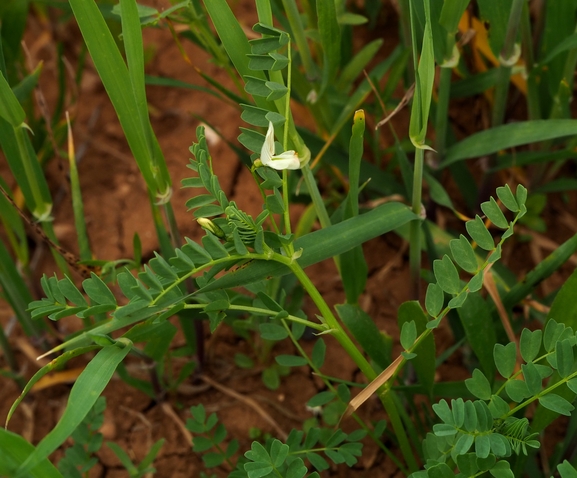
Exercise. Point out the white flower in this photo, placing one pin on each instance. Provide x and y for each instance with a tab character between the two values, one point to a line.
286	160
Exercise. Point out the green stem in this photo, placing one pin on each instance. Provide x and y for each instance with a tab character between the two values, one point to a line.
294	18
415	226
500	98
337	330
331	387
533	106
539	395
266	312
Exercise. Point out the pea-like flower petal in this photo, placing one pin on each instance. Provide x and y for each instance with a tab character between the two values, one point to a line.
286	160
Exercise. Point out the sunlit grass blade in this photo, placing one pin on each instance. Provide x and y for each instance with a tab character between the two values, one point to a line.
53	365
83	395
330	37
116	77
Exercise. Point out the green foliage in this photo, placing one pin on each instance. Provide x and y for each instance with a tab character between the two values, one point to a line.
209	436
308	59
490	426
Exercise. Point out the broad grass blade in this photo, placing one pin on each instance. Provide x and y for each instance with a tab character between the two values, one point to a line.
324	244
477	321
83	395
508	136
15	451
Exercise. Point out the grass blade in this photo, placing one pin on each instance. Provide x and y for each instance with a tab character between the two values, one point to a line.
508	136
115	77
83	395
324	244
15	450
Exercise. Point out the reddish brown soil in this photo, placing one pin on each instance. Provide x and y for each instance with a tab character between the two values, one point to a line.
116	207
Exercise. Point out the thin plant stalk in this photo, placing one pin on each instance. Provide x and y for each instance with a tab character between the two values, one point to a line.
442	117
298	32
507	59
415	226
344	340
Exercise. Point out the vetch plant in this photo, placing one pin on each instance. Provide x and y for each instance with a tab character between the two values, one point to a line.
242	272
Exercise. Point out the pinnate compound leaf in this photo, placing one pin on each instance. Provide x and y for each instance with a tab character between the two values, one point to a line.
441	470
566	470
484	417
321	398
521	195
458	409
444	412
505	356
470	422
556	404
532	378
553	331
480	234
290	360
482	446
564	356
71	292
434	299
507	197
478	385
572	384
502	469
408	334
278	453
476	283
464	444
98	291
318	461
458	301
467	463
272	332
296	469
498	407
530	344
494	213
517	390
499	444
463	254
318	353
447	275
